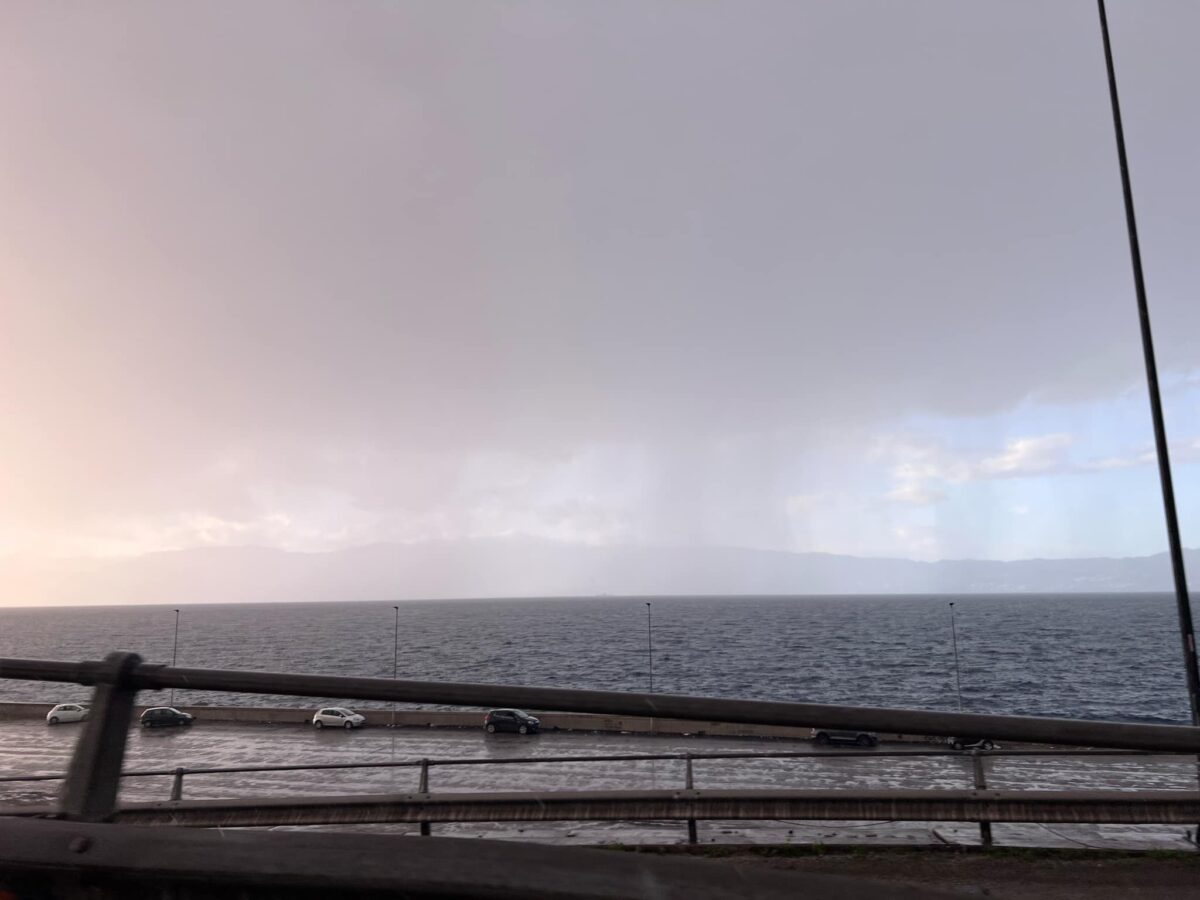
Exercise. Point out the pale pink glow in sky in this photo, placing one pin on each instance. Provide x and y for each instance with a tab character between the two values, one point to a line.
312	276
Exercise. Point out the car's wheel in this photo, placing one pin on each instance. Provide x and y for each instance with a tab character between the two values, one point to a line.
957	745
319	723
987	745
864	740
491	729
54	720
348	725
822	738
524	729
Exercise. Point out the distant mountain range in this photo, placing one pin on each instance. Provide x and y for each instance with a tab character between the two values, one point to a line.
520	567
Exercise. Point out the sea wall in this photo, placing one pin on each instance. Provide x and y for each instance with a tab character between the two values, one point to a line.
417	718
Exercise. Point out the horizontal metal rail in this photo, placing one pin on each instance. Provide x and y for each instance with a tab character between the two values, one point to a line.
168	862
669	706
619	757
1124	807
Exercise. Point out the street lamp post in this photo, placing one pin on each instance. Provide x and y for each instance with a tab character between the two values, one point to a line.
175	653
650	647
395	657
957	673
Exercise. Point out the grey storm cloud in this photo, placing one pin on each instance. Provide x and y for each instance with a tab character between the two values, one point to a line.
354	244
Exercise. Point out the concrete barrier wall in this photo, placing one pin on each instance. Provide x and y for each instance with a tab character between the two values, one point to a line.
24	710
417	718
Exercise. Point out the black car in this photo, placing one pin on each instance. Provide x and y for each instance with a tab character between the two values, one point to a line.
824	736
165	715
511	720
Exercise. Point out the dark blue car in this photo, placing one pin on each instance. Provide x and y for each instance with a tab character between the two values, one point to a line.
511	720
165	715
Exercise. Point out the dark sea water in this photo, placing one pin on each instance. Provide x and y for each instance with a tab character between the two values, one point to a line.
1107	656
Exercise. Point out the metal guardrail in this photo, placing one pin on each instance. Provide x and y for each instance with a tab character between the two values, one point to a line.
690	804
632	805
90	786
608	757
1032	729
918	805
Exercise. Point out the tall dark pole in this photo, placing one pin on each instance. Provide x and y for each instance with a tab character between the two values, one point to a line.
1187	631
954	639
395	657
175	653
650	647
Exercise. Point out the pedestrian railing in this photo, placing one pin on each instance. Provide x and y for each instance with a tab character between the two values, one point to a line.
976	758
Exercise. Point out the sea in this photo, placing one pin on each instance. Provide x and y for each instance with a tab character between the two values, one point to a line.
1093	656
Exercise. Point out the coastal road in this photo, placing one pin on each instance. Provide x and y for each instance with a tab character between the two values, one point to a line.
32	748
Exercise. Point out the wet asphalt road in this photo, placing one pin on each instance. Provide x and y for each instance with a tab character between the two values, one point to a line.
32	748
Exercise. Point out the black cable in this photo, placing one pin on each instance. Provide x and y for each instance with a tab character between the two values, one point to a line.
1182	601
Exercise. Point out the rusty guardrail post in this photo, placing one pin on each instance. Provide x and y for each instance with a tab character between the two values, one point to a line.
423	788
89	793
985	828
689	784
177	785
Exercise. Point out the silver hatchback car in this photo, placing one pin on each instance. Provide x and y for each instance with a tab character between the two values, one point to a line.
338	717
67	712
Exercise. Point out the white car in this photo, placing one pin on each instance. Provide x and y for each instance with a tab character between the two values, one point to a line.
67	712
338	717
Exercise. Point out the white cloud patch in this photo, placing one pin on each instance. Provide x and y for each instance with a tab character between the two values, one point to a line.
1023	456
1146	457
921	470
1187	451
1181	452
916	493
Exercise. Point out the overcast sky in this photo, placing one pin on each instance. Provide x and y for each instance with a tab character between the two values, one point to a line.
838	276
